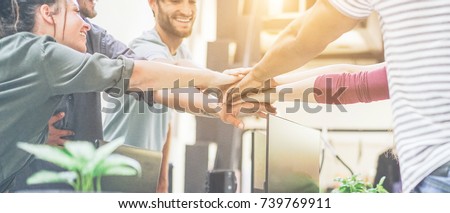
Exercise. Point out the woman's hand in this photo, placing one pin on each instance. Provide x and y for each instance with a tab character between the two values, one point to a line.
243	71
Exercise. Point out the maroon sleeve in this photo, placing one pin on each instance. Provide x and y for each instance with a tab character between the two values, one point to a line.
349	88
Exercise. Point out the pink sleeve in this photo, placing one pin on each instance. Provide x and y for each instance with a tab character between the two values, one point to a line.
349	88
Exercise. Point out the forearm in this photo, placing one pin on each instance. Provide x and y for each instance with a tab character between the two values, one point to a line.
186	63
274	61
157	75
189	100
163	182
303	40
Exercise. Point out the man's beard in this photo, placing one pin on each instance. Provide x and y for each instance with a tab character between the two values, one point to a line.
169	27
88	13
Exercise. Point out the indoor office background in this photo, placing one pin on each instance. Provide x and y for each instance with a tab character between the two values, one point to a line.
235	33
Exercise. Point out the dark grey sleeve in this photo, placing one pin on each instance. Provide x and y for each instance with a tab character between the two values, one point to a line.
117	48
99	41
68	71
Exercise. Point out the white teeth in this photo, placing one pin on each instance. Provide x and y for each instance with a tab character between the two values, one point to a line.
83	34
183	20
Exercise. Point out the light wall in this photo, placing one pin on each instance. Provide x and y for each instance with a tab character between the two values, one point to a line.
125	20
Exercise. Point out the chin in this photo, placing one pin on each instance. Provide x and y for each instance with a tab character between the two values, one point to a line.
184	33
81	49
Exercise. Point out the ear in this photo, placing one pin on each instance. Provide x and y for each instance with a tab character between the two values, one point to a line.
153	4
46	12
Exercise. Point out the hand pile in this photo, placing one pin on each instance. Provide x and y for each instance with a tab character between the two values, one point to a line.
248	96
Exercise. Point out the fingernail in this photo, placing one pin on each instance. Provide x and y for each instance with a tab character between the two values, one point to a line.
241	126
61	114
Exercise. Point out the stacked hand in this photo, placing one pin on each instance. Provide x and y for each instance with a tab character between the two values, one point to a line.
231	106
246	97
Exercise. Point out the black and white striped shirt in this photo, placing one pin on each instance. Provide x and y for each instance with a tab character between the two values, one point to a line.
416	36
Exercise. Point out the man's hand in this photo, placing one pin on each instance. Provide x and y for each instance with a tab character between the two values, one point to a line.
231	114
55	136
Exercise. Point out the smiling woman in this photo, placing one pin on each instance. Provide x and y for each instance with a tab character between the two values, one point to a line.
52	20
60	15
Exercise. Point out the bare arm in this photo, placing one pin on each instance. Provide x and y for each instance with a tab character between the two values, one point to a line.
190	100
163	181
194	101
301	41
157	75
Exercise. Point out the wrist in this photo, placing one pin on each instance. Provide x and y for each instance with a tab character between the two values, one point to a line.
259	74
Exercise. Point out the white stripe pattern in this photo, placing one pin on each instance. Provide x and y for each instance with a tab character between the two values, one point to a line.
416	36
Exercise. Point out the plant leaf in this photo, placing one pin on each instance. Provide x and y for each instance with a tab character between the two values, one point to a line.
52	177
101	154
354	184
380	188
51	154
116	160
81	150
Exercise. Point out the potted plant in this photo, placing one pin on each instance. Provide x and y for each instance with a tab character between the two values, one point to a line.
354	184
85	165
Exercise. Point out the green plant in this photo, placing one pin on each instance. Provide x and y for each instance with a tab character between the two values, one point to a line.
354	184
85	164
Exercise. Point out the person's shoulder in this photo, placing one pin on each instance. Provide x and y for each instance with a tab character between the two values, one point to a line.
27	36
184	51
27	40
150	34
95	29
147	37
